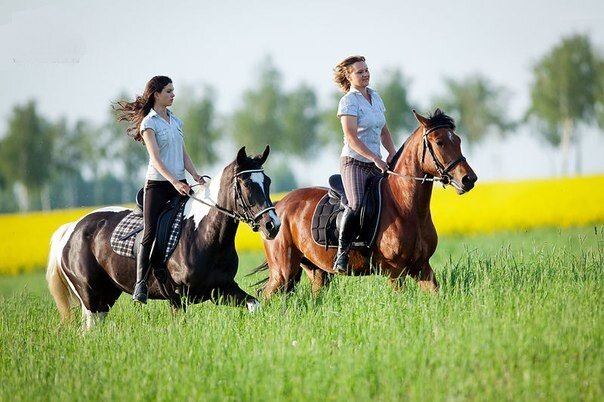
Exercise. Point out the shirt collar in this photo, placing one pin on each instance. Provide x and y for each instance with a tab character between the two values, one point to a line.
354	90
152	112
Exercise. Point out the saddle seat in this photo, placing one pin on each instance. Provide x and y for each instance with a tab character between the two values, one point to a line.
326	218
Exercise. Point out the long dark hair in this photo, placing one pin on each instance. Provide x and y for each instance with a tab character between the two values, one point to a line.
135	112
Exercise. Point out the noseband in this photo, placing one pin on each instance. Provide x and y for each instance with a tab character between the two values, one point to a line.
246	214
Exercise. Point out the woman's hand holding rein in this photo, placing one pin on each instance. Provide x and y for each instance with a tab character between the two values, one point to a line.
182	188
383	166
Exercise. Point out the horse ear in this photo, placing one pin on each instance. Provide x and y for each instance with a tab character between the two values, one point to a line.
264	155
421	119
241	156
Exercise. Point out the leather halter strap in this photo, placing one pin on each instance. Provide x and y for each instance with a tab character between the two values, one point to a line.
247	214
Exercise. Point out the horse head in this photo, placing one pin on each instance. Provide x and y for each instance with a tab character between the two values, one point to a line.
252	197
444	159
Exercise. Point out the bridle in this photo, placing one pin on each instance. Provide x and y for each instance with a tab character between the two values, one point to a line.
443	171
244	209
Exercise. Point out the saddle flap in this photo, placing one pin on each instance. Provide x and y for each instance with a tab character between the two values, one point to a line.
326	217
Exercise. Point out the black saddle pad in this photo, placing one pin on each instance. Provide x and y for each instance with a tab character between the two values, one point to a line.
326	218
128	232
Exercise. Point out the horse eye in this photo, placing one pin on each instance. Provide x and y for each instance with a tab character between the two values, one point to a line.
439	143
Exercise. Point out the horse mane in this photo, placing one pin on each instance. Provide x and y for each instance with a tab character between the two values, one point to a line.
438	118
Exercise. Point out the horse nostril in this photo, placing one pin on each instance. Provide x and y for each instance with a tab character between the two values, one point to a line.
468	180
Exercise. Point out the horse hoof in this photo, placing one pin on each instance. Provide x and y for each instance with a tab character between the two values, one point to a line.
253	306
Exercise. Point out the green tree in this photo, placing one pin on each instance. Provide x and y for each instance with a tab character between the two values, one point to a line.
330	129
300	121
567	90
25	152
478	106
201	131
126	157
394	93
269	115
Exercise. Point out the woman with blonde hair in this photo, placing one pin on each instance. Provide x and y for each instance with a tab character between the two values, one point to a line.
153	124
361	113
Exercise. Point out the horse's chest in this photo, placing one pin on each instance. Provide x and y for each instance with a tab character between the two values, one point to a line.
408	242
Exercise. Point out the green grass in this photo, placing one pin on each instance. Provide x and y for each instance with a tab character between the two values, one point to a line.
519	317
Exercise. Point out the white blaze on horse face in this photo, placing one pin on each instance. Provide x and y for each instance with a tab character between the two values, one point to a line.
274	217
195	209
450	136
258	178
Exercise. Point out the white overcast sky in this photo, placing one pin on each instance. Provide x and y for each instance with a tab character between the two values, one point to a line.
74	57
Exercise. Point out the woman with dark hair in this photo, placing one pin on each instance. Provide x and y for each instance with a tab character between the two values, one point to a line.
361	112
153	124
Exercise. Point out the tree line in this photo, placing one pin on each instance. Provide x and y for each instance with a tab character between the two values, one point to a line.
48	164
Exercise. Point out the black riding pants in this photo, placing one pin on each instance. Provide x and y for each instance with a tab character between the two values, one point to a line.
157	194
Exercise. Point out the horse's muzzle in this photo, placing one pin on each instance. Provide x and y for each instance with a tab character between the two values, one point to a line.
270	225
468	181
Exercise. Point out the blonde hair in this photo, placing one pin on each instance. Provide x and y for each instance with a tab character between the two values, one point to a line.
341	70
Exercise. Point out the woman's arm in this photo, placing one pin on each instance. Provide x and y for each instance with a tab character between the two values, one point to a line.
388	143
153	150
190	167
349	126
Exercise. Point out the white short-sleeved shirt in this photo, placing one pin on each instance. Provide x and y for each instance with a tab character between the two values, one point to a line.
170	140
370	120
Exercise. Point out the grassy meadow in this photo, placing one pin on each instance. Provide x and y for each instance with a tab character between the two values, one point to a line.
519	317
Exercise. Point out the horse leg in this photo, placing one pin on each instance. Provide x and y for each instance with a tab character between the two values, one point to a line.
427	280
91	319
318	278
231	294
397	278
284	267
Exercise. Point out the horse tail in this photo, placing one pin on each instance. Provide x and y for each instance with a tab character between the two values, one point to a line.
57	284
262	267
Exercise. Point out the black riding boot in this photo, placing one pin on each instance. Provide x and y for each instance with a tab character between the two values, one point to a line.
348	226
142	272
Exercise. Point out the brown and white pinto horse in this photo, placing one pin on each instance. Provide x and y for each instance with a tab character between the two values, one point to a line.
406	235
84	270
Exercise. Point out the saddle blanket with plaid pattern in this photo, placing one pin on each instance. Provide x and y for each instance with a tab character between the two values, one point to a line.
124	236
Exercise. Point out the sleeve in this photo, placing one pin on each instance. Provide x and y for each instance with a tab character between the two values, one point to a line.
147	123
348	106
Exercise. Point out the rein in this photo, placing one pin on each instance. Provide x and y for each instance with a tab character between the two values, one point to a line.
247	216
445	179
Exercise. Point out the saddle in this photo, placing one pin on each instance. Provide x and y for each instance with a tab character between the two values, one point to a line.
326	218
128	234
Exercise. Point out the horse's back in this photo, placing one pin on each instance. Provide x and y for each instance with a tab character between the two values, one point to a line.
300	200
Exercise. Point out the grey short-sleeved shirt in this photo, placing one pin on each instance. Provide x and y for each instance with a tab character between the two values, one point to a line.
170	140
370	120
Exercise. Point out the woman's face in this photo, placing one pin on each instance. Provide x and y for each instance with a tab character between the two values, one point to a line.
166	96
358	74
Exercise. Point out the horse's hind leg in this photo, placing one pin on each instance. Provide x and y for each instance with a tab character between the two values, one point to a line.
318	278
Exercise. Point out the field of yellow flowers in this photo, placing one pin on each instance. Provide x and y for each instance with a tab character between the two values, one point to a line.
490	207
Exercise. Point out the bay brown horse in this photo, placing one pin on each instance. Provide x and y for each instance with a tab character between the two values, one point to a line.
406	236
84	270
